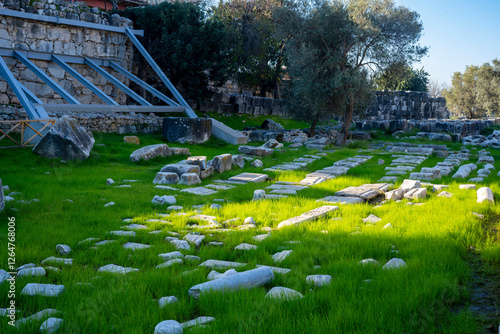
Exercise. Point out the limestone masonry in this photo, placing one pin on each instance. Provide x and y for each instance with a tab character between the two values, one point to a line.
29	35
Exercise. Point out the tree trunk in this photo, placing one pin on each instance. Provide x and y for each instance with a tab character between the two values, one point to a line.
344	132
263	90
312	130
277	74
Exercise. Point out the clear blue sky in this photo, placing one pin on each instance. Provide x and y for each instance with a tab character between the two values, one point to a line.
458	32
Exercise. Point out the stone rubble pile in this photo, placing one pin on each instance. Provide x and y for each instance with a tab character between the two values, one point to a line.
492	140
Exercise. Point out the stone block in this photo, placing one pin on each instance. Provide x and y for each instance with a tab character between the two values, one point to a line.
65	140
150	152
257	151
222	163
190	179
166	178
132	140
191	130
206	173
200	161
180	169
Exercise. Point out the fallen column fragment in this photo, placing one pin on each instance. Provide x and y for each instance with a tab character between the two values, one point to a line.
244	280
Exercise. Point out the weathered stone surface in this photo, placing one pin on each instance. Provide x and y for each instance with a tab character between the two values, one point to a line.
183	129
168	327
131	140
372	219
189	179
4	275
279	292
281	256
276	270
422	176
201	191
319	280
200	161
149	152
65	140
163	301
394	264
245	246
214	274
113	268
180	151
467	186
269	124
394	195
180	169
244	280
308	216
171	255
261	237
218	264
257	163
166	178
37	316
58	260
45	290
36	271
206	172
368	262
165	199
51	325
409	185
194	239
445	194
416	193
272	143
341	200
123	233
485	194
238	160
200	321
222	163
259	194
257	151
180	244
169	263
249	177
135	246
63	249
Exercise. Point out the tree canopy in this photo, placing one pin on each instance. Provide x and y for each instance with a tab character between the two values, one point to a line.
258	53
476	92
333	45
191	47
400	76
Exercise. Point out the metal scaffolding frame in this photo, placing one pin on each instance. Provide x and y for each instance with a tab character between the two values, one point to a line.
36	109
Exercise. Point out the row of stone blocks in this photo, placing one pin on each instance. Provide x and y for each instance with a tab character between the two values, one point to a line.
226	108
464	127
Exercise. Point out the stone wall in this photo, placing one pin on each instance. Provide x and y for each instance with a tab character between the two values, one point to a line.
406	105
460	128
100	122
30	35
245	103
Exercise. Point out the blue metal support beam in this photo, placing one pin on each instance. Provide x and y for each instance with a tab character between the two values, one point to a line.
64	94
83	81
67	22
117	82
32	97
160	73
144	85
18	90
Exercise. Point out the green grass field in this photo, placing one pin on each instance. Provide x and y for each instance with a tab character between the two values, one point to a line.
439	241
